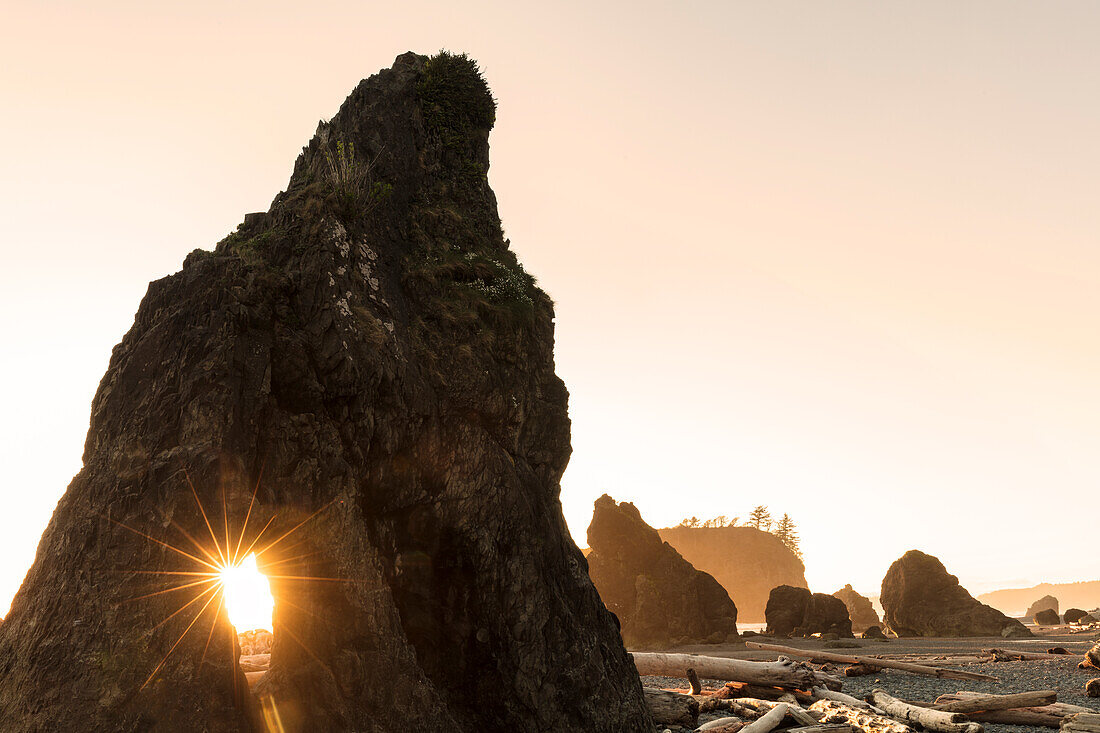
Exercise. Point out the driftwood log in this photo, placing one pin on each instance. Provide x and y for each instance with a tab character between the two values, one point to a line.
820	693
744	689
1082	723
1060	709
927	718
723	725
984	703
1092	659
671	708
1013	655
1027	718
793	709
857	717
693	680
861	670
950	674
769	721
782	673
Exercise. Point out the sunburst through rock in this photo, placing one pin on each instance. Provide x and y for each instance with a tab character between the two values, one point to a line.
225	573
247	593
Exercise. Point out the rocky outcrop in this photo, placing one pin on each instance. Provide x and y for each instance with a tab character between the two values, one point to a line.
371	359
1014	601
746	561
920	598
1074	615
1043	604
658	597
1046	617
797	612
860	609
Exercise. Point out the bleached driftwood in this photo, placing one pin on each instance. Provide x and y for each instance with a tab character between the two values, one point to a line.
857	717
950	674
768	722
793	709
1054	708
927	718
723	725
782	673
1082	723
820	693
984	703
671	708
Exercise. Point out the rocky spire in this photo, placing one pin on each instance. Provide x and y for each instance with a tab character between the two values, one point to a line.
360	381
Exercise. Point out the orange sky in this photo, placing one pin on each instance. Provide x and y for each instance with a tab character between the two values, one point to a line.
839	258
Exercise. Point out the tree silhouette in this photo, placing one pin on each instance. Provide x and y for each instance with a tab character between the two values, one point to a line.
788	534
761	518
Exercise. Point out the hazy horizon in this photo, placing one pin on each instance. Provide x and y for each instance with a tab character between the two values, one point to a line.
837	258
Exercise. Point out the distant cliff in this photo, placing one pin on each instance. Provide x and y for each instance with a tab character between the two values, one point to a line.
1015	601
746	561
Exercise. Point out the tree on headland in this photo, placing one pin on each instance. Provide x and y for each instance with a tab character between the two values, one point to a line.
788	534
689	522
761	518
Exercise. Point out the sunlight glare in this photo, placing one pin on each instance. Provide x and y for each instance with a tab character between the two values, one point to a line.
248	597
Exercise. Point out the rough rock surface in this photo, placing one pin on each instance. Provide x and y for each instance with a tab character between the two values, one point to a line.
375	358
1074	615
658	597
748	562
920	598
860	609
1043	604
1047	617
797	612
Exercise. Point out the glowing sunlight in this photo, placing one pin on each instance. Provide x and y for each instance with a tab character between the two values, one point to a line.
247	593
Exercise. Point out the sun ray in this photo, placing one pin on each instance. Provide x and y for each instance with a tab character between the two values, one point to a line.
213	623
261	534
206	519
170	590
159	542
162	661
294	528
194	541
213	588
248	514
225	518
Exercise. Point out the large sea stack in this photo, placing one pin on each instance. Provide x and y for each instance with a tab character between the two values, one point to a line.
860	609
658	597
748	562
920	598
369	356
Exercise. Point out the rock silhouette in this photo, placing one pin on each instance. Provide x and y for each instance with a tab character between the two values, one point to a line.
1047	617
748	562
370	358
920	598
1046	603
797	612
658	597
860	609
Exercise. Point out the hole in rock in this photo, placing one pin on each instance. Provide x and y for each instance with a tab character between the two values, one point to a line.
249	605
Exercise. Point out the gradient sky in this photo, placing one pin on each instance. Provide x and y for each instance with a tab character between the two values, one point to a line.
836	257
